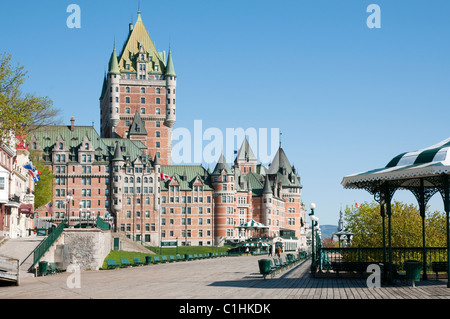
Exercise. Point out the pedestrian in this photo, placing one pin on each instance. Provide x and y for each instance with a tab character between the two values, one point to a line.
270	251
246	251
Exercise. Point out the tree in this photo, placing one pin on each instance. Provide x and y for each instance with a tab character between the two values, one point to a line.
43	189
21	114
366	225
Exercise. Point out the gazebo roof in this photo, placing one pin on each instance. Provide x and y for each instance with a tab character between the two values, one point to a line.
252	224
427	162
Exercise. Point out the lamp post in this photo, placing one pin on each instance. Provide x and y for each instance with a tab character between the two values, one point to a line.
314	220
69	199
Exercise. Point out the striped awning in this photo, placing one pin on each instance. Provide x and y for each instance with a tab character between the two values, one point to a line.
252	224
257	244
430	161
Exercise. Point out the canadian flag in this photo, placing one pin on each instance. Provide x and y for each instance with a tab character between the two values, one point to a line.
165	177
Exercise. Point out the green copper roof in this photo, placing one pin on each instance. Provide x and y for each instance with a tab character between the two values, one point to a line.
170	70
113	64
186	175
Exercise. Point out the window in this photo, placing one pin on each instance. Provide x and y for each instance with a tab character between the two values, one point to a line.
127	99
158	91
142	100
127	110
158	134
158	100
127	90
142	90
158	111
142	110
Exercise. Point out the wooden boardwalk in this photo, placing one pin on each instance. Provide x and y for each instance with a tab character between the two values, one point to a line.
223	278
298	283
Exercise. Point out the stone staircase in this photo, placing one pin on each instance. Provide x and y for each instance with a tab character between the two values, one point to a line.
128	244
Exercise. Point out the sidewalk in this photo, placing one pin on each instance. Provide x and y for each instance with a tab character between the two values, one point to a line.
220	278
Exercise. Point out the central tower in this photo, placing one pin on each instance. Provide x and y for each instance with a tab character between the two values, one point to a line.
138	99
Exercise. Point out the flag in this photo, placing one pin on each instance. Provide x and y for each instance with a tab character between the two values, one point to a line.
49	207
356	205
33	172
165	177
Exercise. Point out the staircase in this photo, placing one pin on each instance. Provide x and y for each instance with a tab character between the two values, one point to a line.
21	249
128	244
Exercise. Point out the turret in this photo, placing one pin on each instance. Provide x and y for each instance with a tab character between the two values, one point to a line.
267	195
117	164
114	92
171	82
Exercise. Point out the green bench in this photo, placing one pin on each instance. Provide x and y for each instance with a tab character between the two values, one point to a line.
164	259
53	269
171	259
137	261
124	262
266	267
156	260
111	264
179	258
438	266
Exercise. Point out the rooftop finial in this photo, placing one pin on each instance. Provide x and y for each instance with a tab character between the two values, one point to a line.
139	6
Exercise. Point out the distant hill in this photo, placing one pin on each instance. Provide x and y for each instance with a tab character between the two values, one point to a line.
327	230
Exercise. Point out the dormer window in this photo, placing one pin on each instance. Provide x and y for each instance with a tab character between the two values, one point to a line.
61	146
86	146
127	66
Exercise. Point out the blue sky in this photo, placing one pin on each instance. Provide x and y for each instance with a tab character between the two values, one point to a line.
346	98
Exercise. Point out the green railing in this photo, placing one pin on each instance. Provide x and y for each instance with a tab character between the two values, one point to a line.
48	242
102	224
375	255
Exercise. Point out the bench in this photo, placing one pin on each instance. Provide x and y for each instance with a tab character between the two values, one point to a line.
53	269
124	262
438	266
271	270
234	253
156	260
179	258
111	264
164	259
189	257
137	261
171	259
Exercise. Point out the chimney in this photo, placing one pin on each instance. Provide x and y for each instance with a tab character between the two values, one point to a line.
72	123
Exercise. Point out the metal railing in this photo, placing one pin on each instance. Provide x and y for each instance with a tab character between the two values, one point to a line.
102	224
375	255
47	243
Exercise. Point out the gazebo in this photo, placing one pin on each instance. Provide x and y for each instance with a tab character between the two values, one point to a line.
424	172
252	224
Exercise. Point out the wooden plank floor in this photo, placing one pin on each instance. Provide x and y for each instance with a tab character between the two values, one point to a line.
299	283
224	278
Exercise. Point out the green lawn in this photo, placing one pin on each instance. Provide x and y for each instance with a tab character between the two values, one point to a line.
119	254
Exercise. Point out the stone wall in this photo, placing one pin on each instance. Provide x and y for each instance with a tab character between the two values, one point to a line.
87	248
